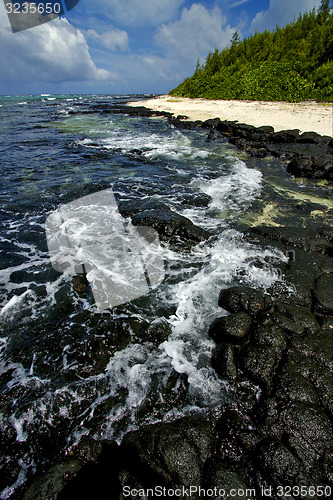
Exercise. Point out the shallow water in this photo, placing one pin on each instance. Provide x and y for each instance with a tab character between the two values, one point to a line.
68	369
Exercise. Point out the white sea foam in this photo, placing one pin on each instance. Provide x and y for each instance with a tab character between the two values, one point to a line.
233	191
25	464
110	403
175	146
188	349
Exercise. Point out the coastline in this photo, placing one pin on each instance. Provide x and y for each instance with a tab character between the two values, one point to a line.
305	116
273	349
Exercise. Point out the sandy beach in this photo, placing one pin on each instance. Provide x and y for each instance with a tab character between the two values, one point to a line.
305	116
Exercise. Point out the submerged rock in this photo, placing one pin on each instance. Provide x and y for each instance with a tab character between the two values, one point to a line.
127	208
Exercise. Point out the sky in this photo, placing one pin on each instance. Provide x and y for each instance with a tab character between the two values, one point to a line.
129	46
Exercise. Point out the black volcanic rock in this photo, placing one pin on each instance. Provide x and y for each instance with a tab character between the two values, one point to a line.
171	226
244	299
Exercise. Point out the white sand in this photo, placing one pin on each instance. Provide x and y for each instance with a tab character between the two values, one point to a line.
305	116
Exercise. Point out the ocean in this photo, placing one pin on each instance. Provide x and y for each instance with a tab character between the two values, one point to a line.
68	369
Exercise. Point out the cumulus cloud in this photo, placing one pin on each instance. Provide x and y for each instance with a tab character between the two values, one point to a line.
54	52
197	32
280	12
111	39
131	12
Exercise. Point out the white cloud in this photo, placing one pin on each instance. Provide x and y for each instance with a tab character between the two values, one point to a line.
280	13
54	52
110	39
131	12
197	32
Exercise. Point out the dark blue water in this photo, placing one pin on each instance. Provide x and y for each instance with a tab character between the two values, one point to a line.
68	370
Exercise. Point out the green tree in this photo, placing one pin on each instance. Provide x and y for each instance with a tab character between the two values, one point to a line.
324	6
290	63
235	39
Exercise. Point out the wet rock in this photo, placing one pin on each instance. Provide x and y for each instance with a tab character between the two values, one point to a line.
309	432
212	123
260	363
279	465
234	328
230	425
197	200
82	473
323	294
169	454
244	131
319	167
226	126
184	124
309	153
80	285
284	136
98	475
224	361
312	370
228	480
239	142
50	485
257	151
158	331
295	320
291	386
266	129
317	346
268	333
127	208
244	299
142	111
261	357
171	226
301	167
305	239
180	457
301	273
213	135
309	138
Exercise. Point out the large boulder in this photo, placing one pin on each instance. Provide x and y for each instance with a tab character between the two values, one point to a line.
171	227
244	299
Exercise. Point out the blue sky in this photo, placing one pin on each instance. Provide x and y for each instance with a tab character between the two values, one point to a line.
129	46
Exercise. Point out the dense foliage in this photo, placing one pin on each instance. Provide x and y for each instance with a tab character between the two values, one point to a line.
291	64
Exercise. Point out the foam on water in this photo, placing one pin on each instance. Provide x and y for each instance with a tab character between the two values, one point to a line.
47	324
151	146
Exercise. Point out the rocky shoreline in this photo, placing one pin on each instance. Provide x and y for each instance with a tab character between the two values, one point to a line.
273	349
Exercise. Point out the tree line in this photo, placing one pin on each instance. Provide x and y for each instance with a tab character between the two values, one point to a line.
290	64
